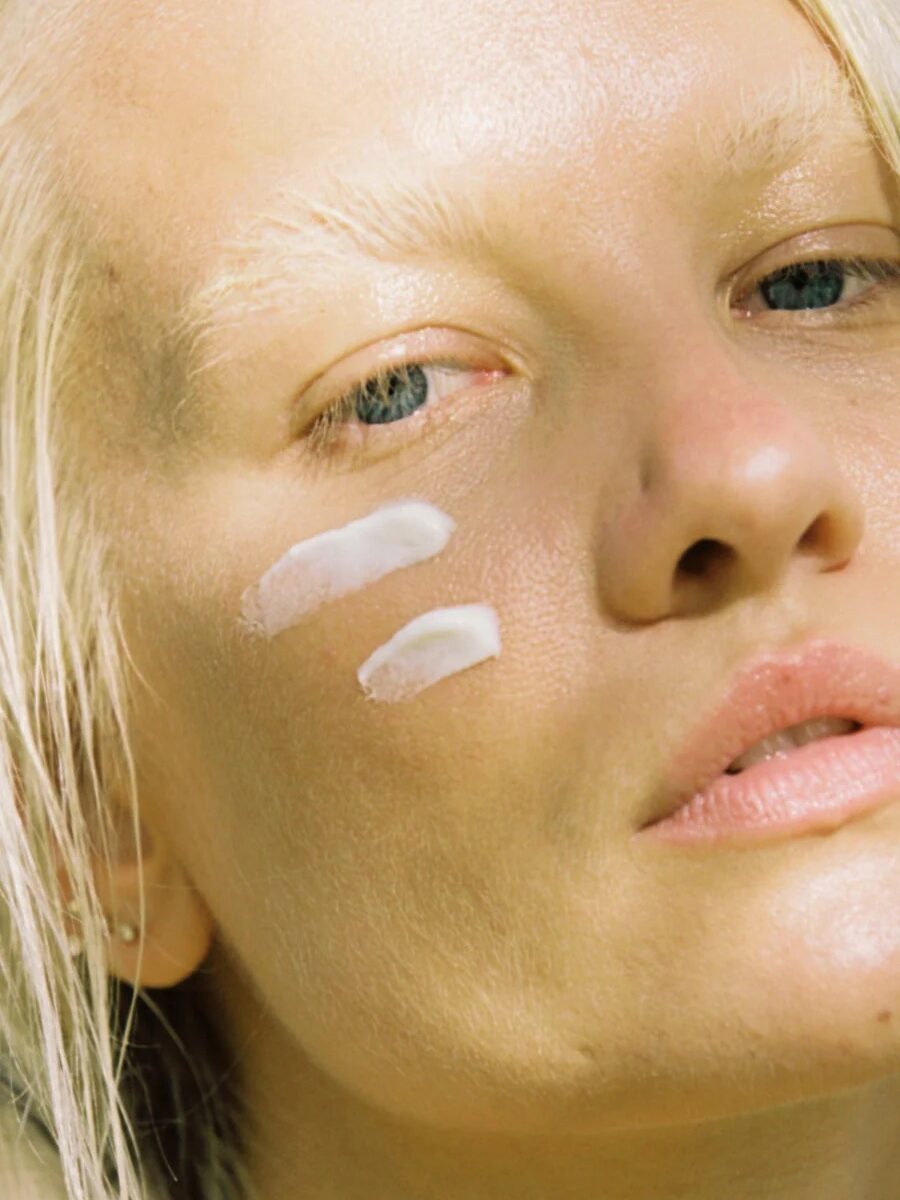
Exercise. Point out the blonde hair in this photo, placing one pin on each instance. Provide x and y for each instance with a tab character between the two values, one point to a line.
123	1120
101	1067
866	38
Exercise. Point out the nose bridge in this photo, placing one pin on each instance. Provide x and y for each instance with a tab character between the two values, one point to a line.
735	482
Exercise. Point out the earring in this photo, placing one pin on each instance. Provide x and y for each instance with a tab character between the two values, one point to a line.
125	931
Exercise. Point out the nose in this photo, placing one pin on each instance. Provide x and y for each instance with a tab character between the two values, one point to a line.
735	488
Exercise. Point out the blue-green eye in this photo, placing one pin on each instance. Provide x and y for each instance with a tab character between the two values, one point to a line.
825	284
805	285
392	396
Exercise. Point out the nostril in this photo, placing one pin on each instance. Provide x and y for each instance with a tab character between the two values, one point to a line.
819	533
703	555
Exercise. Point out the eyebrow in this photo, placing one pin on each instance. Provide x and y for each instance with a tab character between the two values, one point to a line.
775	131
266	257
263	261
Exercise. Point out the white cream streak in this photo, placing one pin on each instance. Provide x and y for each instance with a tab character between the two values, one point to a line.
342	560
434	645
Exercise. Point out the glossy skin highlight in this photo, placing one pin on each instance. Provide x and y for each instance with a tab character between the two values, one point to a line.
447	968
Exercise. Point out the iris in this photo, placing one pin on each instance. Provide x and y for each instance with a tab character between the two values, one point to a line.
805	285
392	396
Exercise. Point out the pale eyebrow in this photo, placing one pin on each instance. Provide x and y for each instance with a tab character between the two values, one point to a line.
263	262
268	256
774	132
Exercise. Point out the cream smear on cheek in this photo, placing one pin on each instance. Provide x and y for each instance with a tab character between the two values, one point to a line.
321	568
343	560
429	648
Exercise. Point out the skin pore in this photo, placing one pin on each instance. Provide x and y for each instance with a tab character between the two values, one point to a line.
447	969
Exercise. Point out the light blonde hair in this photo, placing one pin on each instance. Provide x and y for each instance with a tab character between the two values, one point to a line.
865	35
103	1068
126	1122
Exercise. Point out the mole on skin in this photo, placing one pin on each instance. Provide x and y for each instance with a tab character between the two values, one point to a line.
331	564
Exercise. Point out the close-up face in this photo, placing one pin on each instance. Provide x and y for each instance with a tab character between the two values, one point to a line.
635	444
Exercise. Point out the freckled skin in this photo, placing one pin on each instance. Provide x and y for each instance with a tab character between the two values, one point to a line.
462	979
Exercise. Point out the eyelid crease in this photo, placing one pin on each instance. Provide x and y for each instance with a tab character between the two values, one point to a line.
380	376
436	347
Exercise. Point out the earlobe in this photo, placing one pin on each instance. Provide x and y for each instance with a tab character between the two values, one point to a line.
175	938
178	928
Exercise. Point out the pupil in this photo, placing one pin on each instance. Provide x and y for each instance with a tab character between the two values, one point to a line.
807	285
392	397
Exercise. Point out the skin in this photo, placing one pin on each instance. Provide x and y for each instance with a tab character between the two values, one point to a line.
446	967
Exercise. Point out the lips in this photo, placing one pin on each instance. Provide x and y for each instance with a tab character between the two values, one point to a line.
773	694
778	744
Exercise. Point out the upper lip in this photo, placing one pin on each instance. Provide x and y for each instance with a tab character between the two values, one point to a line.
772	693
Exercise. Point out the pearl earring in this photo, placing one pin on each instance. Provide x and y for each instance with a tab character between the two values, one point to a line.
125	931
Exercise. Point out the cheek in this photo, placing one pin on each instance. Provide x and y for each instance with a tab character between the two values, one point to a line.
382	870
291	770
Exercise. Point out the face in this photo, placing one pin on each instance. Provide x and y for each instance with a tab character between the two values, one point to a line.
440	900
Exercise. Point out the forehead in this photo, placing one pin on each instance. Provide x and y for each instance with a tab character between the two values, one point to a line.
183	116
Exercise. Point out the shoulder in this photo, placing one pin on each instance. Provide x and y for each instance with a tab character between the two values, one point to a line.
30	1168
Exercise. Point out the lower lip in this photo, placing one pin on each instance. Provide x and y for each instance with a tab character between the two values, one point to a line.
814	788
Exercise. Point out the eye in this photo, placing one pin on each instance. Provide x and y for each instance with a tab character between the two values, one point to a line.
407	393
841	284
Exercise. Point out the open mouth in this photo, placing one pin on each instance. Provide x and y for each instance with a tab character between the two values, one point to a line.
780	744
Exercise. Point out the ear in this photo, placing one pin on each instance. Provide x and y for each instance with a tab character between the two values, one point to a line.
178	928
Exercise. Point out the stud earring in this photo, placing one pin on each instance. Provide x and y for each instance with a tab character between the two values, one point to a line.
125	931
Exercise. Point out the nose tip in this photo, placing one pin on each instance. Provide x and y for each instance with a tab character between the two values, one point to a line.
697	541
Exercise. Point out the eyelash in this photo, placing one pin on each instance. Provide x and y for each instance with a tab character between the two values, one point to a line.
333	423
870	270
328	428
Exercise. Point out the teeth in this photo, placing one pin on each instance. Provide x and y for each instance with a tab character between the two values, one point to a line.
782	743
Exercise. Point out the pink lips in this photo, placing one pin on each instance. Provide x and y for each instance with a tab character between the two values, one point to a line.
817	787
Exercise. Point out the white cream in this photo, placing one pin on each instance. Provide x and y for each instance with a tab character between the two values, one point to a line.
339	561
430	647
